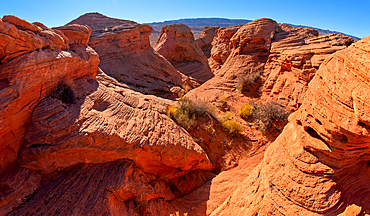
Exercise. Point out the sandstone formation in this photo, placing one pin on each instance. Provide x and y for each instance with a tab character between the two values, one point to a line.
206	38
286	59
86	143
35	60
249	49
220	49
319	164
176	43
295	56
106	125
125	54
75	141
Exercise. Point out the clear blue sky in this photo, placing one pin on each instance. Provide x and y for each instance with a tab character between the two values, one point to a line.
351	17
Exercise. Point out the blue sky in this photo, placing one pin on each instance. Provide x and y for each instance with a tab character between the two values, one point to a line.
344	16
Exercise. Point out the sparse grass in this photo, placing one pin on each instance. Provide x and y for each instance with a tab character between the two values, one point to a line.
269	113
64	93
230	126
178	214
221	103
187	111
246	111
246	83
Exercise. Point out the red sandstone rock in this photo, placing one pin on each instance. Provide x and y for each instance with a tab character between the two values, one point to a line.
105	125
220	46
32	66
77	34
249	50
287	62
19	37
319	164
177	44
295	56
206	38
125	54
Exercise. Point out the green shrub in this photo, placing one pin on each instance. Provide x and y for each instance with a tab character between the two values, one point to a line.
187	111
246	111
269	113
246	83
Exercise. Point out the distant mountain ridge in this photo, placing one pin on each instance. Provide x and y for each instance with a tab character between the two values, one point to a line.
197	25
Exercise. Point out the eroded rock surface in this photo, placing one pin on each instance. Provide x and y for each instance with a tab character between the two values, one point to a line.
221	46
35	60
177	44
106	125
319	164
295	56
249	49
206	38
285	59
125	54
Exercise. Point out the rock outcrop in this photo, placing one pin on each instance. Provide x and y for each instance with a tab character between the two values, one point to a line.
176	43
34	61
206	38
125	54
86	143
220	46
248	51
319	163
107	125
295	56
284	58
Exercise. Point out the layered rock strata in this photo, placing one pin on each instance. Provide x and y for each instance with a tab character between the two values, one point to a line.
206	38
295	56
125	54
35	60
284	58
319	163
221	46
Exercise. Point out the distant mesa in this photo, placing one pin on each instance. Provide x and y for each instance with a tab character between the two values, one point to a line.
197	25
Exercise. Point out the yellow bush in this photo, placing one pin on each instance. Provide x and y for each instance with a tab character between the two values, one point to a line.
171	111
232	127
246	111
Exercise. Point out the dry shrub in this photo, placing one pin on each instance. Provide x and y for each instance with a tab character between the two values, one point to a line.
64	93
269	113
187	111
221	103
247	83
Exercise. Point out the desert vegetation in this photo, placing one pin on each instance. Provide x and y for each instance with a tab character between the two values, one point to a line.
187	111
265	115
65	93
231	127
248	82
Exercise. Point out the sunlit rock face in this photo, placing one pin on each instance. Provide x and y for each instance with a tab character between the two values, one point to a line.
176	43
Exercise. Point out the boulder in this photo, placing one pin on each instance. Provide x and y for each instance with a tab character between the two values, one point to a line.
176	43
206	38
